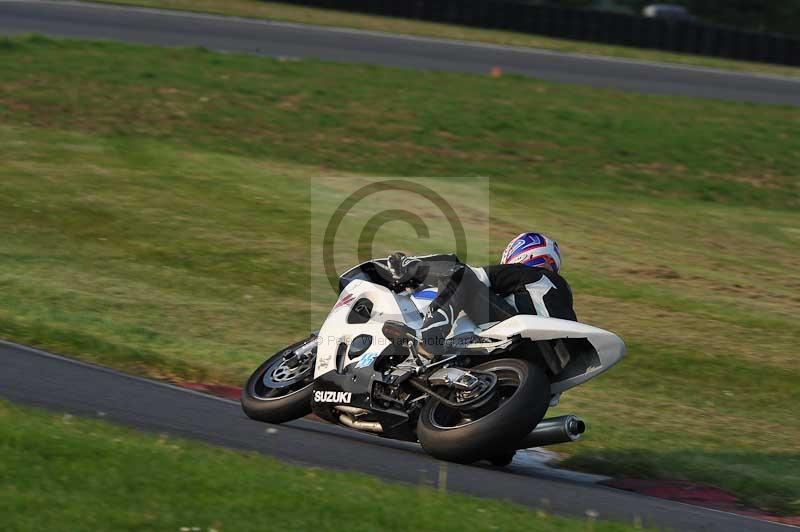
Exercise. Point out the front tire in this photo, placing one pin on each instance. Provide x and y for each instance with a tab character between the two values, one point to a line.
523	390
289	396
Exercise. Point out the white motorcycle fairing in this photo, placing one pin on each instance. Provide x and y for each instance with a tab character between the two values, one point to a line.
601	349
337	331
584	364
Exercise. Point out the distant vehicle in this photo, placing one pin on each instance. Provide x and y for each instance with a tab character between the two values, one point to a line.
668	11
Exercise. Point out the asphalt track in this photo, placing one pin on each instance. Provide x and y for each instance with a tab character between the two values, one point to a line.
33	377
173	28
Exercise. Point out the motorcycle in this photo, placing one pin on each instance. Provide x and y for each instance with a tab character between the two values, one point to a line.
484	399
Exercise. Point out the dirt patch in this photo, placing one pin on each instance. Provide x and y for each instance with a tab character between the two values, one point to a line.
658	272
698	495
293	101
220	390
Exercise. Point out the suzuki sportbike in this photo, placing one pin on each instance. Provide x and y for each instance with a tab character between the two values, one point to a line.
483	400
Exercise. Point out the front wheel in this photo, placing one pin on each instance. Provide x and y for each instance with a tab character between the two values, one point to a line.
280	389
522	396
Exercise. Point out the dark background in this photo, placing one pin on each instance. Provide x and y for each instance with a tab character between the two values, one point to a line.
713	32
780	16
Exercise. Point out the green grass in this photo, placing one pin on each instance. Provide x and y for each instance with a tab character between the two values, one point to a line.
155	213
160	483
325	17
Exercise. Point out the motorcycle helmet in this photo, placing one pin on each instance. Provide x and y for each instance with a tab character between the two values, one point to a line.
533	249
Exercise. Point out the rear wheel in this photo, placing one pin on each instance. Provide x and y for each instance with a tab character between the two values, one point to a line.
502	460
280	389
521	398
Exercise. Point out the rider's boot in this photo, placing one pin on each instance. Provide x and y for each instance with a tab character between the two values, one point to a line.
435	327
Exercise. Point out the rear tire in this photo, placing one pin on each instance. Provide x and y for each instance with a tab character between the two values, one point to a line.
278	405
445	436
502	460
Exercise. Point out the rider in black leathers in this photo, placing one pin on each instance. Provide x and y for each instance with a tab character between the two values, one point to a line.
488	294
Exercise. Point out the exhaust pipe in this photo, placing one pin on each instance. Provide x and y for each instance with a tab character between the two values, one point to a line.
346	418
562	429
371	426
352	410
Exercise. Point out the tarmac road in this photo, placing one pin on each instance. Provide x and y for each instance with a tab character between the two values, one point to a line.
174	28
33	377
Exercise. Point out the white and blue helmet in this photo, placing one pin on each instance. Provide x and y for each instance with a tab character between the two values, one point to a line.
533	249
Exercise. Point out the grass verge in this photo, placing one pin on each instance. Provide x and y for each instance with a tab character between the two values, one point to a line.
154	205
161	483
325	17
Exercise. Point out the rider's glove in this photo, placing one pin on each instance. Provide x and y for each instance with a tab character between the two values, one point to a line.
403	268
